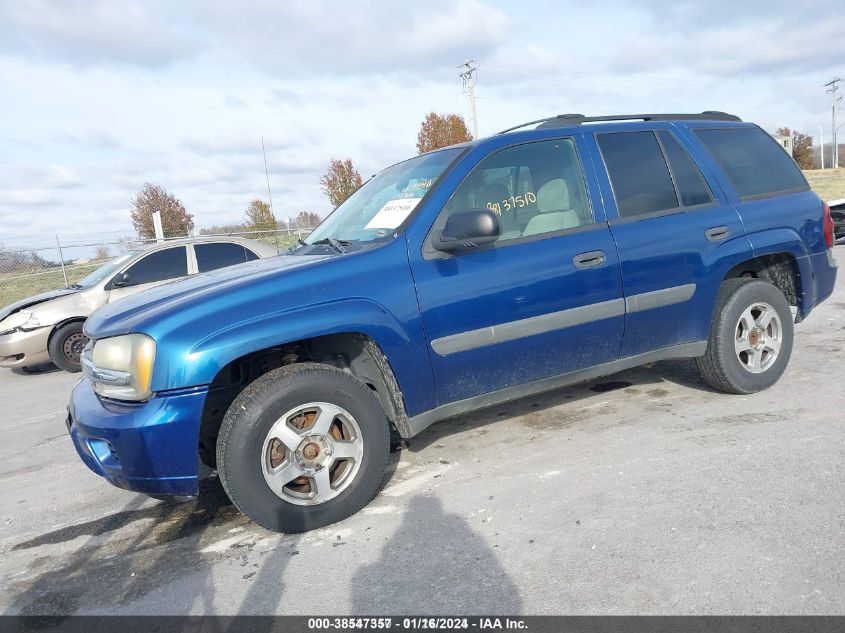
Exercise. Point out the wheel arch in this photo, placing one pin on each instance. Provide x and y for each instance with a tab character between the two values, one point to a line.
60	324
352	351
781	269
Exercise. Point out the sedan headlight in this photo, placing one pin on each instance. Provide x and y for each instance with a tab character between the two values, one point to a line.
21	320
121	367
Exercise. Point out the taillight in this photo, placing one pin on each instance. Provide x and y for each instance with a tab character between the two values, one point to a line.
828	226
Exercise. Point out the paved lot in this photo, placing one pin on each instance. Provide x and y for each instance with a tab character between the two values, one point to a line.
641	493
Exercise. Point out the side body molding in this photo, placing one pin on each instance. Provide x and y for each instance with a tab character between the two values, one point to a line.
521	328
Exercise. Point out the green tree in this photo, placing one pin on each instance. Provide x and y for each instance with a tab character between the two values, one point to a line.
340	181
175	219
259	216
441	130
802	147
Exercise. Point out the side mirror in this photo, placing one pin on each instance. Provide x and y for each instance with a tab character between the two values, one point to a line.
120	280
467	229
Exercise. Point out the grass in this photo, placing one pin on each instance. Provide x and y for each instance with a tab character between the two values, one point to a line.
16	286
828	183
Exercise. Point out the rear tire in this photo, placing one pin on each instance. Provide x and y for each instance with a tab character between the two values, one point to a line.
66	345
302	447
750	338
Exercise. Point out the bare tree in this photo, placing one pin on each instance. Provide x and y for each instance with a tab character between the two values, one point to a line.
307	220
441	130
340	181
102	252
175	219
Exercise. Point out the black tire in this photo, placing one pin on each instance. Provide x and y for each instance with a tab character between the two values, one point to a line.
254	412
66	345
721	367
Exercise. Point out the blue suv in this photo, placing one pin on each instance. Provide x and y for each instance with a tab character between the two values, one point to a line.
552	253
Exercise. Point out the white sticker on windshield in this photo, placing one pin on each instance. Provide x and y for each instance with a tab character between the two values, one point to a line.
393	213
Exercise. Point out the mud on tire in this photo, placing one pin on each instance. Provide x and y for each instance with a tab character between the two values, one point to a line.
272	406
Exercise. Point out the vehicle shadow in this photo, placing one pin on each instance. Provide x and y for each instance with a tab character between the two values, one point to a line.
423	569
649	379
41	368
116	566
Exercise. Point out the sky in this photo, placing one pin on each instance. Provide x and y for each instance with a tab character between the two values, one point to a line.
99	96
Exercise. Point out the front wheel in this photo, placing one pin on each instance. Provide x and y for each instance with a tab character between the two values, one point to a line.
302	447
750	338
66	346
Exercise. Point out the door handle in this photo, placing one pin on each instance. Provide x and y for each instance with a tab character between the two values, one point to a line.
590	259
717	233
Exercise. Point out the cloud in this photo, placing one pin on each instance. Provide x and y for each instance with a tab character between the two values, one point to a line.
96	139
723	38
87	33
321	36
230	144
31	176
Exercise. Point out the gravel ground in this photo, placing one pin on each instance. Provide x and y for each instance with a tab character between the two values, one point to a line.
641	493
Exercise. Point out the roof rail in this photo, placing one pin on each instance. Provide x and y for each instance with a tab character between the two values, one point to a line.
563	120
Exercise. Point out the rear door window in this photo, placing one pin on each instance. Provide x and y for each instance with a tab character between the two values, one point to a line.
221	254
169	263
753	161
690	183
638	173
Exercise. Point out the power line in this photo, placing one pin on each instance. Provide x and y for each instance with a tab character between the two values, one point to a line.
655	84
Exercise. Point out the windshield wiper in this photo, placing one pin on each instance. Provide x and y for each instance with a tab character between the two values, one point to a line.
337	245
299	242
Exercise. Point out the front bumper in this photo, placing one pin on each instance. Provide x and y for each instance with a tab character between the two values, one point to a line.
22	349
148	447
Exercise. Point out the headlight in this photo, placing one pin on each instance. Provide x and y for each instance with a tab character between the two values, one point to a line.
18	321
121	367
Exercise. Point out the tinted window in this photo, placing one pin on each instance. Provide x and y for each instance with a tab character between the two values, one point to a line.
158	266
753	160
220	255
534	188
689	181
638	173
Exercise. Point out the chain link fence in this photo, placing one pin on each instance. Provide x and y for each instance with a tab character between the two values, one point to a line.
31	268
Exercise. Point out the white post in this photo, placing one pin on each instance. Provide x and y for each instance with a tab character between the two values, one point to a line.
62	259
821	144
157	226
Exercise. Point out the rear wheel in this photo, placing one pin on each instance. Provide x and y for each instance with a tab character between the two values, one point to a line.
66	346
750	338
302	447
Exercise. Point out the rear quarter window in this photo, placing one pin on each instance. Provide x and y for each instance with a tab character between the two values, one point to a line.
753	161
214	255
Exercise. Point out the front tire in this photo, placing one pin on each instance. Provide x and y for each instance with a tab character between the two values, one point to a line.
302	447
750	338
66	345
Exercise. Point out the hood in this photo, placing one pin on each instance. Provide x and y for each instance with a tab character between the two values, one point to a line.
35	299
128	314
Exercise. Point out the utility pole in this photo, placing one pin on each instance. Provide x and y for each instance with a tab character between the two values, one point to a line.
832	88
467	73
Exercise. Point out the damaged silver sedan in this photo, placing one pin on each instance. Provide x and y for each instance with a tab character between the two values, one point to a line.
48	326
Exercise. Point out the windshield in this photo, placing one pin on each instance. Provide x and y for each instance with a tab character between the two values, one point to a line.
106	270
373	212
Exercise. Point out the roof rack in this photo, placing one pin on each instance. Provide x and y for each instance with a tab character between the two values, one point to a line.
563	120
